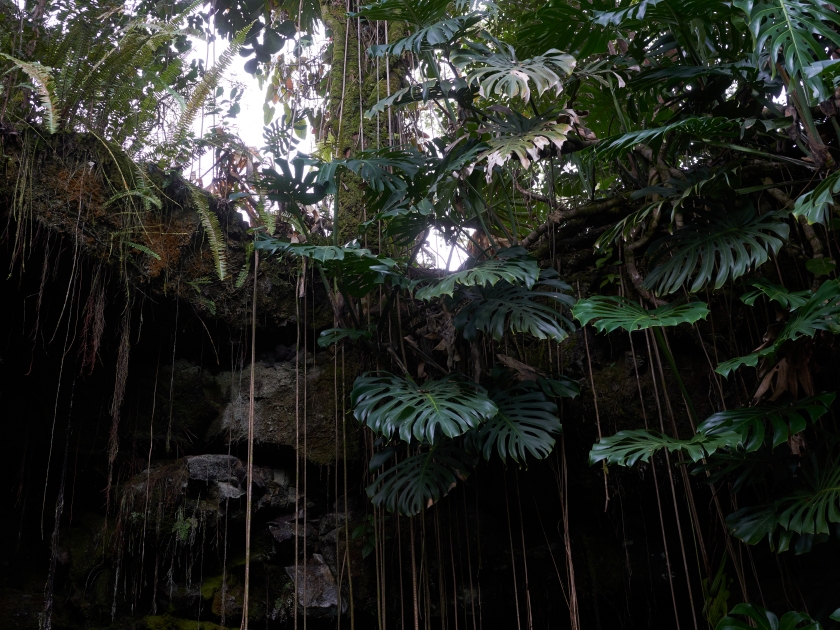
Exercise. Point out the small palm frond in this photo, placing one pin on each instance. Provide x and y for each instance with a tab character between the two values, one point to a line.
787	31
390	404
209	82
750	422
627	448
515	270
437	35
500	72
733	243
421	479
608	313
495	309
376	167
42	77
212	229
524	425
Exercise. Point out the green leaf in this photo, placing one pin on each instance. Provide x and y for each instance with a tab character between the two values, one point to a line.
815	205
390	405
333	335
762	619
437	35
423	92
42	76
775	293
496	69
730	244
495	309
558	387
697	127
820	266
515	135
515	270
627	448
524	424
808	510
750	422
421	479
289	187
418	13
608	313
379	168
786	30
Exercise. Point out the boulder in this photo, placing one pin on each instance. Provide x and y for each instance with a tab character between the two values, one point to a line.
316	588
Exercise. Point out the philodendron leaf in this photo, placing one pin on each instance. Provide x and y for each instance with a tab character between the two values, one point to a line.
495	309
608	313
521	270
524	424
750	422
421	479
334	335
765	620
390	404
627	448
715	246
775	293
821	311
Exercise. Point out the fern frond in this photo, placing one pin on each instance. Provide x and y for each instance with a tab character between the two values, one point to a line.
42	77
209	82
212	229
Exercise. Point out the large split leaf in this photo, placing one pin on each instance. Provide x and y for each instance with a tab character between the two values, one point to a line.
807	511
516	136
820	312
608	313
765	620
715	246
524	424
750	422
775	293
496	69
627	448
390	405
421	479
514	267
787	30
815	205
495	309
435	35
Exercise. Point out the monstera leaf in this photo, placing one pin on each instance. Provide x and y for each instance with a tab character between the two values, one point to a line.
496	70
608	313
292	188
437	35
524	425
808	511
514	135
698	128
418	13
787	30
750	422
422	92
334	335
627	448
390	404
495	309
515	270
731	244
775	293
421	479
815	205
765	620
820	312
377	168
